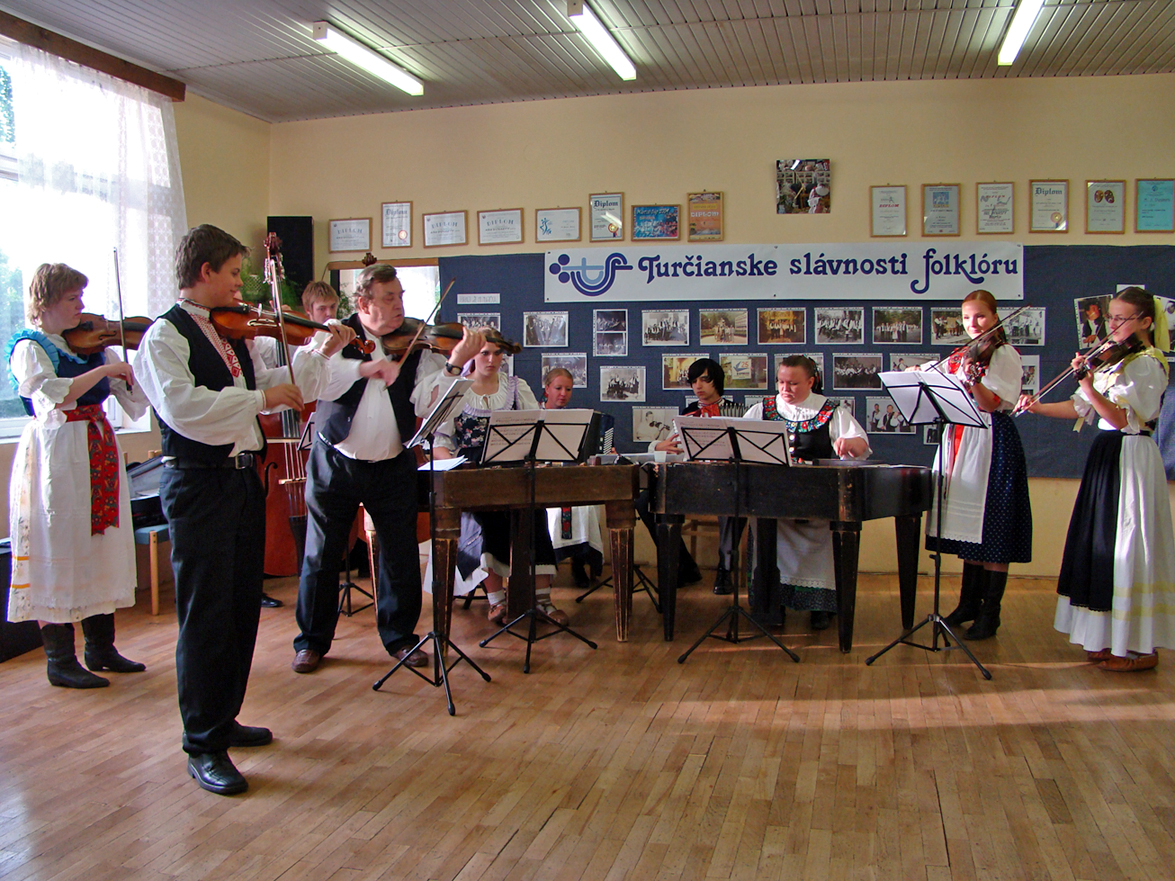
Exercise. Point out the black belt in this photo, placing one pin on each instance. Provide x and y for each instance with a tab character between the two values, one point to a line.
235	463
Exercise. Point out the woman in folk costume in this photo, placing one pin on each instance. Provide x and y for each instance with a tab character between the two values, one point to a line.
986	516
823	429
1117	582
73	552
483	553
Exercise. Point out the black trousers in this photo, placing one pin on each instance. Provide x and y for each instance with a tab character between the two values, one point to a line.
335	487
217	523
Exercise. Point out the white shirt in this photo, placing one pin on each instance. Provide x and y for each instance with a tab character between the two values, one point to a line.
842	423
374	434
228	416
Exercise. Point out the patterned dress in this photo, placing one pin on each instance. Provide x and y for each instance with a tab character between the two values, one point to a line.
73	552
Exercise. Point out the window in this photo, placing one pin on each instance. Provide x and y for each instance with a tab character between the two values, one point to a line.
89	169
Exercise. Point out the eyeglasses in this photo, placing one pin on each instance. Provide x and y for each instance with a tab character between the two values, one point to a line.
1116	320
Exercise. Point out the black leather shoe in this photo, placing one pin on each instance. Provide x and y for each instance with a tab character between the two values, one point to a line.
821	620
249	735
268	602
722	582
216	773
690	575
411	658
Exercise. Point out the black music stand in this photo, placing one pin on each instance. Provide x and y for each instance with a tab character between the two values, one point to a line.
738	441
526	437
928	397
437	636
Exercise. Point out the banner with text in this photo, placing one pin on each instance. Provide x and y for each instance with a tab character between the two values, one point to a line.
932	271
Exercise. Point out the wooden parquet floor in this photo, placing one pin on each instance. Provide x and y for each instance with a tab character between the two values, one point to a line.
610	764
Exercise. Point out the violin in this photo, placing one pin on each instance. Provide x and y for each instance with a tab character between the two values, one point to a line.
246	322
976	357
96	332
1108	354
415	335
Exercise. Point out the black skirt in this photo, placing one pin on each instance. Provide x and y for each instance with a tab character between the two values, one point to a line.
1087	568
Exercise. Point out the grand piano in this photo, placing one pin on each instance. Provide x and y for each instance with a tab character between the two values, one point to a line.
844	493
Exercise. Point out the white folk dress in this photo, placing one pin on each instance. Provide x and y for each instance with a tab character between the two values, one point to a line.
60	572
803	548
1138	550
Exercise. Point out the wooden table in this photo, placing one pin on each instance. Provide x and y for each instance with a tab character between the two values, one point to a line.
495	489
843	494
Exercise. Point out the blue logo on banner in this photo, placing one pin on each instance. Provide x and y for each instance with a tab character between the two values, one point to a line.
589	279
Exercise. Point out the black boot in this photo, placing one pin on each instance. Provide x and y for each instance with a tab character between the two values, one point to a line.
988	621
970	596
579	574
100	651
63	668
722	583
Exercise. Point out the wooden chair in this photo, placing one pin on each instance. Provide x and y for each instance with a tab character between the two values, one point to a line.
151	536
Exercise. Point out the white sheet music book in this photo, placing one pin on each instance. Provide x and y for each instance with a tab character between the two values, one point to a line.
511	433
919	394
442	411
759	441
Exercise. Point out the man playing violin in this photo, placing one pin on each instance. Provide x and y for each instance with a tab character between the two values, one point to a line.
207	391
365	414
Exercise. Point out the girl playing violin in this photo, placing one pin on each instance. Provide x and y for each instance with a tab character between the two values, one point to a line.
986	517
1117	582
483	553
68	464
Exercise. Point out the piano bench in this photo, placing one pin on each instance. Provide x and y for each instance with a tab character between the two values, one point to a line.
151	536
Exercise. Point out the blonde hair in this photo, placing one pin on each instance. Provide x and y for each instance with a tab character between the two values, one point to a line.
318	292
51	282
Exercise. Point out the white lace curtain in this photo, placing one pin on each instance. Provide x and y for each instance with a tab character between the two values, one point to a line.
98	170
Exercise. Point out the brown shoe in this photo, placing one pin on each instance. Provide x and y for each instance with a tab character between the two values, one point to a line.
497	614
411	658
1130	663
555	614
1100	655
306	661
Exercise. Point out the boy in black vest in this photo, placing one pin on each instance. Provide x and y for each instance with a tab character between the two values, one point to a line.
206	391
365	415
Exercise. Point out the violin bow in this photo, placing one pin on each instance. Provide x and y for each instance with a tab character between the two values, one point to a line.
274	273
121	316
424	323
999	323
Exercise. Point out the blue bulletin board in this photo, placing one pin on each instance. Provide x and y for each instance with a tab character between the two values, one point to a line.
1054	277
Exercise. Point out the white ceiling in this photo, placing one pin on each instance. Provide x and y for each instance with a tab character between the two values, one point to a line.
258	56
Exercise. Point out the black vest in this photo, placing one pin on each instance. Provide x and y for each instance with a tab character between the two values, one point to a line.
210	371
333	418
811	439
67	368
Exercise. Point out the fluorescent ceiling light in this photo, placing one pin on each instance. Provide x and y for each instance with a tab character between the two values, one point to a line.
1022	22
368	59
582	17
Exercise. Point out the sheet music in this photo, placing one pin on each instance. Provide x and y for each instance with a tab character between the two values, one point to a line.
762	441
920	394
442	411
727	439
511	434
705	439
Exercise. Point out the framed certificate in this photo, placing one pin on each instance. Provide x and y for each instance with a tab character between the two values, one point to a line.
1105	206
704	218
557	225
994	208
445	228
940	209
607	217
1049	206
499	227
656	222
1154	205
397	224
889	211
350	234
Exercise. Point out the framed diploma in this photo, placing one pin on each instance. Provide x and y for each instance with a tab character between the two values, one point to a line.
656	222
445	228
889	211
994	208
499	227
704	219
397	224
940	209
1105	206
1154	205
607	217
350	234
557	225
1049	206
